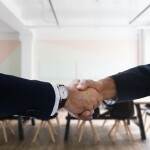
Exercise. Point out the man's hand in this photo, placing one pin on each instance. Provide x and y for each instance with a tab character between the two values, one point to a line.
84	84
82	103
106	87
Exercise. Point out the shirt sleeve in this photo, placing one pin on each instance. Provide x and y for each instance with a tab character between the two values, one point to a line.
57	99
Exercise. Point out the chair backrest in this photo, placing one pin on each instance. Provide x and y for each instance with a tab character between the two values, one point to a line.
96	113
123	110
50	117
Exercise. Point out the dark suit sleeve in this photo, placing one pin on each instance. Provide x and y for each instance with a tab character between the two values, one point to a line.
26	97
133	83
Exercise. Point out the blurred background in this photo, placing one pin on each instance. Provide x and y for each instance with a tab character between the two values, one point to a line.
60	40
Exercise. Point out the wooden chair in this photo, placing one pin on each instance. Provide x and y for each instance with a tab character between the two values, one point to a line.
81	126
107	105
147	114
28	119
6	123
122	112
47	123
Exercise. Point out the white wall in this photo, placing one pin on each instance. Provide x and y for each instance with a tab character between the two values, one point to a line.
10	57
69	54
146	46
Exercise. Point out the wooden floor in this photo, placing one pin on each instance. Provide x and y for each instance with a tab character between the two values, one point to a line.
88	142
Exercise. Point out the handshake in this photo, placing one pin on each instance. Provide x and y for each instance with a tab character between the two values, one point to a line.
85	95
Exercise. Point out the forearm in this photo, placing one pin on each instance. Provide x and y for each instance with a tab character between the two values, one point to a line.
133	83
26	97
107	88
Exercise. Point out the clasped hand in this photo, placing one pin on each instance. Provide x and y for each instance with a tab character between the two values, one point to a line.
82	100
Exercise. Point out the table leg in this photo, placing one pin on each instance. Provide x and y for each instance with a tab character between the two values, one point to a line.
67	128
141	126
20	128
33	121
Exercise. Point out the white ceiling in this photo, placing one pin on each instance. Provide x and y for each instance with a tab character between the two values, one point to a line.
73	13
5	28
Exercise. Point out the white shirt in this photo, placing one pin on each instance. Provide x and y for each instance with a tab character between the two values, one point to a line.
57	99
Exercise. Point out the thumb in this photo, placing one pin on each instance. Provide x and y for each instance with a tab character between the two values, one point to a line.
82	85
75	82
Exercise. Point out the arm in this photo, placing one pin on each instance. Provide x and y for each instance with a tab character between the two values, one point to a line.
133	83
127	85
37	99
25	97
106	87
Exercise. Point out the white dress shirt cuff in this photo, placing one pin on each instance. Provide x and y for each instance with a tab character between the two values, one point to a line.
57	99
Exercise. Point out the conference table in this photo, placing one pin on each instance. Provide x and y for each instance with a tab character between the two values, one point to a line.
138	102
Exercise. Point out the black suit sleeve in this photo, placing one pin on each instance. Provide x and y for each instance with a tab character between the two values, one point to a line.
133	83
26	97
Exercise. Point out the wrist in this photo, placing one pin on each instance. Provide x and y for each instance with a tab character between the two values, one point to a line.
64	93
108	88
68	101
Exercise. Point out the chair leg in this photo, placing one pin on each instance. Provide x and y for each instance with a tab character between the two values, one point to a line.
104	123
82	126
116	129
112	127
145	120
4	131
124	123
51	131
9	126
33	121
143	113
37	132
147	128
58	122
94	131
78	127
129	132
44	124
78	123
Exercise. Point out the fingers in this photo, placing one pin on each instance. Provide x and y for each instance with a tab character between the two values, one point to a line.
86	115
75	82
84	84
81	103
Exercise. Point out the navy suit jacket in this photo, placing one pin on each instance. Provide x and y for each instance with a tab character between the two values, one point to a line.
26	97
133	83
